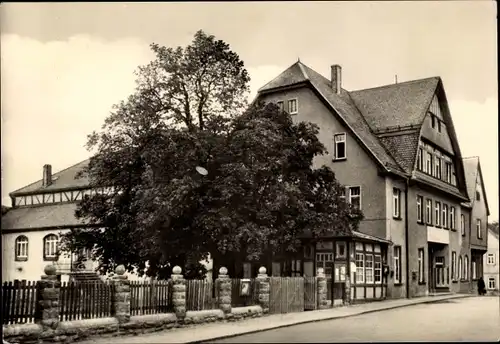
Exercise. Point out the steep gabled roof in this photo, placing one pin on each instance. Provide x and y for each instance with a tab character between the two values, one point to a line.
341	104
64	179
472	171
403	104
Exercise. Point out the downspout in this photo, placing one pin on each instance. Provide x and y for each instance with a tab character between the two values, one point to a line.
407	250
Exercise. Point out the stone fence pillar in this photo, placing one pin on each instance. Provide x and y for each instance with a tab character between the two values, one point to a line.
50	289
224	286
322	289
121	295
264	289
179	293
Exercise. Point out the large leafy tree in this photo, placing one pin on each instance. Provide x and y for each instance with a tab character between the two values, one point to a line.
261	191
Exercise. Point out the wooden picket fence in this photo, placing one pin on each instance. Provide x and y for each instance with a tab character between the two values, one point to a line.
201	295
238	300
150	297
310	293
19	302
85	300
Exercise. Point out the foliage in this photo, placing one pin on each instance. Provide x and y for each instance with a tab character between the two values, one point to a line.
261	193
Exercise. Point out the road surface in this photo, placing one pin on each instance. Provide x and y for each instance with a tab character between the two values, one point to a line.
468	319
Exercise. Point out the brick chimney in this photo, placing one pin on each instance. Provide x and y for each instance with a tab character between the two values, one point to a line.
47	175
336	79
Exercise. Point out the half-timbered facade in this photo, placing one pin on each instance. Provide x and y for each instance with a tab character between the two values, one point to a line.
396	150
41	213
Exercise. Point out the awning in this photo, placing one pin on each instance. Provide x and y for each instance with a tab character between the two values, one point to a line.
359	235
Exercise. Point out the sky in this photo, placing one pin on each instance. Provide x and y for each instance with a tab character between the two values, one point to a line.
63	65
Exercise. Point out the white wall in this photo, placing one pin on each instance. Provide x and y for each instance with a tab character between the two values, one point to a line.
32	269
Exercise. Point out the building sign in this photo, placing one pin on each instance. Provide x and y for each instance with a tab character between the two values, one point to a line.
245	287
324	245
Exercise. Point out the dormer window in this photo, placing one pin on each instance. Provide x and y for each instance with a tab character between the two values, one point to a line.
433	119
478	196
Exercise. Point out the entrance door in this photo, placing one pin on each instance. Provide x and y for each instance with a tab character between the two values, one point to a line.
440	273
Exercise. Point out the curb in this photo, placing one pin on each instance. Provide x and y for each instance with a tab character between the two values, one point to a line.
300	322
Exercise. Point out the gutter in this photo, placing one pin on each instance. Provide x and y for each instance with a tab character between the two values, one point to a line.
406	241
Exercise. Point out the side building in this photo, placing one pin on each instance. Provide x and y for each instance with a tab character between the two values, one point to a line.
491	262
31	230
395	149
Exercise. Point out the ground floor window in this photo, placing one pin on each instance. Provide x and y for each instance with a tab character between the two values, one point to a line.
491	283
325	261
397	264
420	265
368	260
474	270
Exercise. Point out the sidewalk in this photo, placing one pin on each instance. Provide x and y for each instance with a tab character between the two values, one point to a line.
203	333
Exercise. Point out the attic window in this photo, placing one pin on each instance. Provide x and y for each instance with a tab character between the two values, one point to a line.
280	105
340	146
433	120
478	196
439	125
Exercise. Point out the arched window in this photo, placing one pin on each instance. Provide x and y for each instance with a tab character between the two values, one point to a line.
460	270
21	248
50	247
466	268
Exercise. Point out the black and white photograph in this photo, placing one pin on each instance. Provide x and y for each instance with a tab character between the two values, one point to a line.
249	172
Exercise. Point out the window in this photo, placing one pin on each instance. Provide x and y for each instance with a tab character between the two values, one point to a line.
478	196
340	146
296	268
340	251
369	268
491	283
439	125
478	228
452	218
396	203
342	193
453	265
462	224
448	172
360	268
428	212
50	246
420	216
420	265
433	120
355	196
420	159
473	267
21	248
466	268
428	163
453	176
437	170
325	261
437	212
491	259
460	270
378	269
397	264
292	106
444	218
280	105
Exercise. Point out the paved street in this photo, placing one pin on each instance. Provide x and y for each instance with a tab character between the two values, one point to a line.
469	319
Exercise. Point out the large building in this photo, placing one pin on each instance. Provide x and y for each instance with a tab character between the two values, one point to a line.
396	150
491	261
31	230
473	227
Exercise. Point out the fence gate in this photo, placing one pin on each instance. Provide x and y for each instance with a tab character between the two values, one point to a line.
286	295
310	293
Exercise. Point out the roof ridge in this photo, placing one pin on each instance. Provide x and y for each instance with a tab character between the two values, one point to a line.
393	85
39	180
277	76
